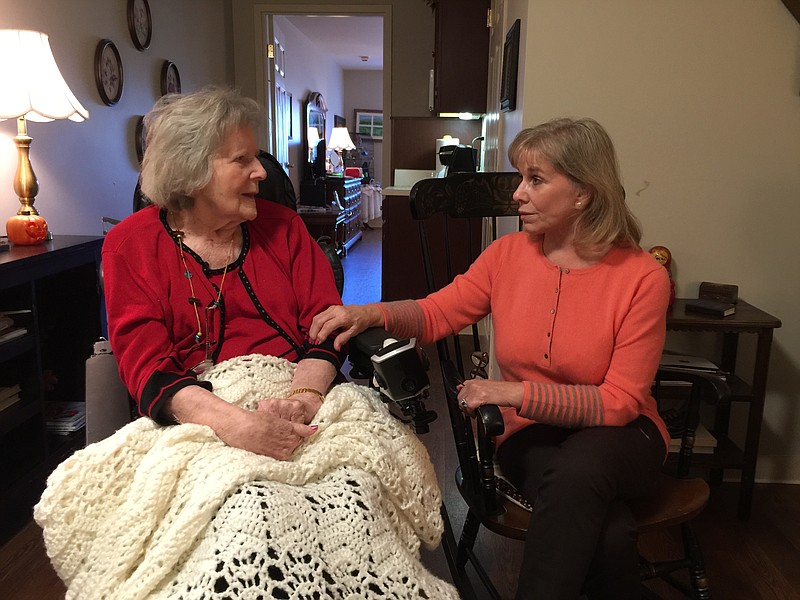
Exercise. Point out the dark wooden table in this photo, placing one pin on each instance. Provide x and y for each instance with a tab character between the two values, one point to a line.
752	389
325	223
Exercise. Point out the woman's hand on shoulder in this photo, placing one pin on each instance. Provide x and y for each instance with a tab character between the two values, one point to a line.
347	320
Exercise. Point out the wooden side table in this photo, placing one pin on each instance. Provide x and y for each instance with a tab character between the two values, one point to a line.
727	455
329	222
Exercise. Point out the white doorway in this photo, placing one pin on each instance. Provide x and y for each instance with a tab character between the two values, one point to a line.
331	42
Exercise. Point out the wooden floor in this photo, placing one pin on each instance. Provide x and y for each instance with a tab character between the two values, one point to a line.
758	559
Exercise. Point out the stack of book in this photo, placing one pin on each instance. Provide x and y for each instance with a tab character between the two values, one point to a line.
64	418
686	361
8	329
9	396
711	307
704	442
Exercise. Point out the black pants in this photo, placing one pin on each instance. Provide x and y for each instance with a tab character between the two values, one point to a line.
582	536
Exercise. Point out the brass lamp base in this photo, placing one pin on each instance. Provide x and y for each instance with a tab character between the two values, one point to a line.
27	227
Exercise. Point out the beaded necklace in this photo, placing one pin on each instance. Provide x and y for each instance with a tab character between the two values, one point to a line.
195	302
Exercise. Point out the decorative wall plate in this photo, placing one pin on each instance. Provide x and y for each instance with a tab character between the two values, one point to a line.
140	139
108	72
140	23
170	78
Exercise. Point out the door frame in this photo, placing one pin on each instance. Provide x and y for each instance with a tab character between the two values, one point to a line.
260	20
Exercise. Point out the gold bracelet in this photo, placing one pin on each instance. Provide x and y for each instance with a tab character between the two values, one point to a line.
303	390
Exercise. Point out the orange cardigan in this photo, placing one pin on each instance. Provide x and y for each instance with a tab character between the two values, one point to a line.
586	342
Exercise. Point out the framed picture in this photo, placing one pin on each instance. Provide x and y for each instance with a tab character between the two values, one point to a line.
140	23
508	89
140	138
339	121
108	72
170	78
369	123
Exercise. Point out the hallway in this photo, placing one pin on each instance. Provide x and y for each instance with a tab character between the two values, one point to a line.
362	269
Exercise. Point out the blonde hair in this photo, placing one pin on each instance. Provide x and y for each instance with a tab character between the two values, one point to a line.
583	151
184	133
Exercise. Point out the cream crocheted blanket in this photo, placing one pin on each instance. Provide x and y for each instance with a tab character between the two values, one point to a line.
172	512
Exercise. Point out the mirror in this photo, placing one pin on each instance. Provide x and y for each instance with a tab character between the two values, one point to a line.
314	139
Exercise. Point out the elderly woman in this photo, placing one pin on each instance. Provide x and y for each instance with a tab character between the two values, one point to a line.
208	273
210	297
579	315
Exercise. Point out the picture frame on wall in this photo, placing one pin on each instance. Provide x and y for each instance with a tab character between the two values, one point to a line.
140	23
339	121
369	123
108	73
170	78
508	85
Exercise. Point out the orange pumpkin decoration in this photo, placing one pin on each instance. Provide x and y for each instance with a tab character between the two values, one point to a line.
26	230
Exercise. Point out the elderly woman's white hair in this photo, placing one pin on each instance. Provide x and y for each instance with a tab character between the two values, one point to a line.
184	133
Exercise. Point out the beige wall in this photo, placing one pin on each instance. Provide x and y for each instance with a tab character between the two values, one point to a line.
307	70
701	98
363	90
88	170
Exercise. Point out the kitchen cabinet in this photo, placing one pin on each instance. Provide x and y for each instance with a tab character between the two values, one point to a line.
52	291
461	56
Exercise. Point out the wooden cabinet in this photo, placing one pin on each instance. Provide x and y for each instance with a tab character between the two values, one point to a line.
461	56
348	191
402	271
55	286
325	223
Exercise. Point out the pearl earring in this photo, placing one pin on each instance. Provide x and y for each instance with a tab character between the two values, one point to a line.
578	204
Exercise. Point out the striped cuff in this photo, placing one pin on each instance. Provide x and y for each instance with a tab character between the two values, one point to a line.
403	318
568	406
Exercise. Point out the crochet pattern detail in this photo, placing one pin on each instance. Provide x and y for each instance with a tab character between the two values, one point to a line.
172	512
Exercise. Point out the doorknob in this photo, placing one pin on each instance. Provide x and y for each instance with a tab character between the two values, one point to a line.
288	165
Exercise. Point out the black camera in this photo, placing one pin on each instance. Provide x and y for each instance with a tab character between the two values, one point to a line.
398	369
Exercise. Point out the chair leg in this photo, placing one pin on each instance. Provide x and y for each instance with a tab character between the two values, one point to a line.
460	580
468	534
697	568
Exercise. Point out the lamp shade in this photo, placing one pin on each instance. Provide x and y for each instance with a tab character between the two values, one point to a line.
340	140
31	85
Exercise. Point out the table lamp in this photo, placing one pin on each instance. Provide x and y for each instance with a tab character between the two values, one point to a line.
340	140
31	87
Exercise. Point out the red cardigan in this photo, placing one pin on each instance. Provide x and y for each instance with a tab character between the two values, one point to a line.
272	290
586	342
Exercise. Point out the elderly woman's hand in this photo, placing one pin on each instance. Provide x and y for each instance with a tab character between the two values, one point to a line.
348	320
300	408
261	432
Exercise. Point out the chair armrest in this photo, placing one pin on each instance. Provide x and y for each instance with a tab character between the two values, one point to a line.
714	388
490	421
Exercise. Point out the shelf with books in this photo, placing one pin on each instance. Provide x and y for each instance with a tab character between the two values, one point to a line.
52	292
747	386
17	346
